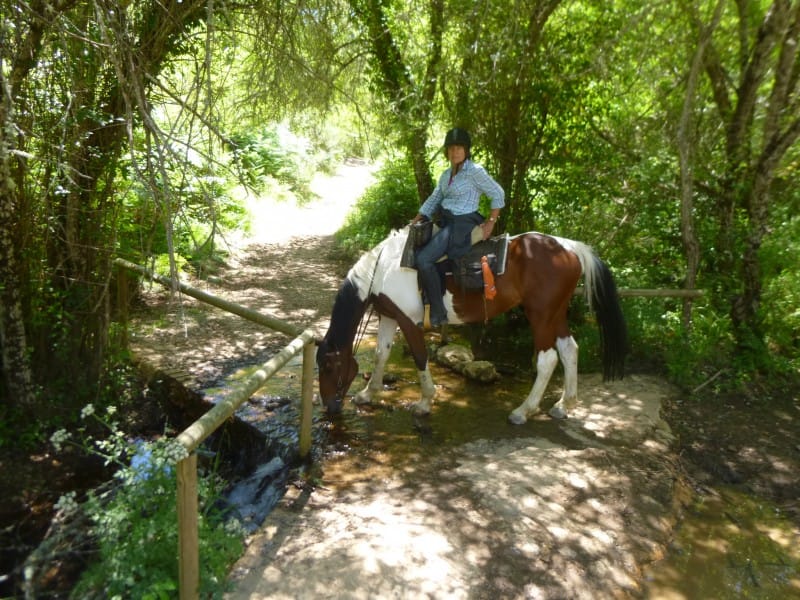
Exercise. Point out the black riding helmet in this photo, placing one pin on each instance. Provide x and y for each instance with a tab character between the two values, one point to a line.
457	137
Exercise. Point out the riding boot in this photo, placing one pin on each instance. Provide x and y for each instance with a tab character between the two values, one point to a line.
432	286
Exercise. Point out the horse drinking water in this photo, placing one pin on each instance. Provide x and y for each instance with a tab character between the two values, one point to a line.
541	274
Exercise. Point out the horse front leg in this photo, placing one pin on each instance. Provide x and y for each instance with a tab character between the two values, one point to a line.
387	327
546	362
568	352
416	344
423	407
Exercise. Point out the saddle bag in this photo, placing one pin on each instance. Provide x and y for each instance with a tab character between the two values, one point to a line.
469	273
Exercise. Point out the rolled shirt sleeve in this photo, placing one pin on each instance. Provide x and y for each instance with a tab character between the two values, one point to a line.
487	185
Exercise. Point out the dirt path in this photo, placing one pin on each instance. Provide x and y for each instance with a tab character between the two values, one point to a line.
286	268
556	509
569	509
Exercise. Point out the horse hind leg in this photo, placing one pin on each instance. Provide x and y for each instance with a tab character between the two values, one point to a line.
568	352
546	362
386	330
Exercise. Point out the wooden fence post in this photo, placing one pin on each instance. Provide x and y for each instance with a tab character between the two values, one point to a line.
188	536
306	405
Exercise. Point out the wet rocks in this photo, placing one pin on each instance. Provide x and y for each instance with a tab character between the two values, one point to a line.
461	360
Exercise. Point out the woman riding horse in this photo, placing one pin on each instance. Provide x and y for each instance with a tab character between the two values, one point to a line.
457	195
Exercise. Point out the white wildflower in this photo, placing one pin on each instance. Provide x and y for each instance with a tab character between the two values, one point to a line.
234	526
67	503
88	410
59	438
175	452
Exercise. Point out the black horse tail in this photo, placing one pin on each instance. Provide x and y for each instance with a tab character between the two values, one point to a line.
604	301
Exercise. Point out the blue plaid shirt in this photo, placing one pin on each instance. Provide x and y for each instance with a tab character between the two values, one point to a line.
461	195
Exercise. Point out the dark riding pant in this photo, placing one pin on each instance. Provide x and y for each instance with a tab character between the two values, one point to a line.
452	239
428	275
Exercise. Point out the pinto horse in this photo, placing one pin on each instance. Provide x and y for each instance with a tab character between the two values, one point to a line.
541	274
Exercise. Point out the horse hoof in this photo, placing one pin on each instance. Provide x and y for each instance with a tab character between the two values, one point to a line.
517	419
558	412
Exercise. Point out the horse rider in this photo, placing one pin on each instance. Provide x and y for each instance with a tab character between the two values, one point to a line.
457	196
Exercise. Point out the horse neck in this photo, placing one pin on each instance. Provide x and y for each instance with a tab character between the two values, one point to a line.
348	310
363	274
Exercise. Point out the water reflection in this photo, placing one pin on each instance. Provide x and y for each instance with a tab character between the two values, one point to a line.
730	546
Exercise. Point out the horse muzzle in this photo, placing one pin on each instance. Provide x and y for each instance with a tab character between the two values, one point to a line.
334	404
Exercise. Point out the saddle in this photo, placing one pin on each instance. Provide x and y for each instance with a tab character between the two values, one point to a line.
467	270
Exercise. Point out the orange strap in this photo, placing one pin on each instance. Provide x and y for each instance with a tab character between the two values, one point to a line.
489	291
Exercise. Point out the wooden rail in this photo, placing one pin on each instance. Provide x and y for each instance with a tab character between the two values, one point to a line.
194	435
648	293
231	307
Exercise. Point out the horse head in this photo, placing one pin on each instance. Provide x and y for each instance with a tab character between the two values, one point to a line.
337	369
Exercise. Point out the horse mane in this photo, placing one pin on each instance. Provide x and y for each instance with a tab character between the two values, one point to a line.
373	264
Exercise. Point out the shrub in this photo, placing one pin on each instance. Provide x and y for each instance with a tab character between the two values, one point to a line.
389	204
133	521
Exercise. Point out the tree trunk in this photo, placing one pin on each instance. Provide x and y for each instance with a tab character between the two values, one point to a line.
411	101
54	302
755	143
16	390
691	245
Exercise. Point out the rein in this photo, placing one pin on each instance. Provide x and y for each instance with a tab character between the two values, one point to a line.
362	325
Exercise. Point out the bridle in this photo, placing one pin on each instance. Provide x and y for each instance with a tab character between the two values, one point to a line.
362	324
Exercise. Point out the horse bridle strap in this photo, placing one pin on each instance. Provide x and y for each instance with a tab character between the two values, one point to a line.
362	325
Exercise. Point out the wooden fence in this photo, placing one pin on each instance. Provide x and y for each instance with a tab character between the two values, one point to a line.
194	435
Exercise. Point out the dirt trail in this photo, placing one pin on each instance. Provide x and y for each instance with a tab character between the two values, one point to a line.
570	509
556	509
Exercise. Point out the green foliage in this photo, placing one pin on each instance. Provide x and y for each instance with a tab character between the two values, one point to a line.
272	152
780	306
389	204
134	520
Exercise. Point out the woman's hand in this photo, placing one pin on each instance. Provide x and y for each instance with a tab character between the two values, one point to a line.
487	227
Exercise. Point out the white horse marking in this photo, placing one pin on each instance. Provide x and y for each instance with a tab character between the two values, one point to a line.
568	352
545	364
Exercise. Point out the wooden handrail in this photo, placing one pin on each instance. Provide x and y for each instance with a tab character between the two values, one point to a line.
231	307
652	293
191	437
